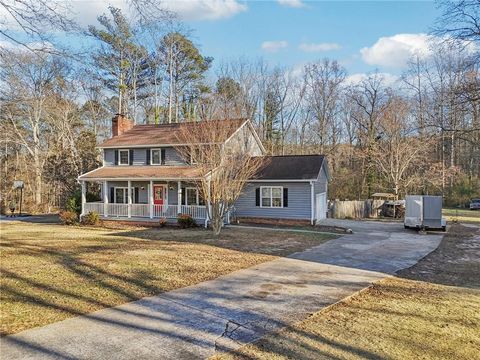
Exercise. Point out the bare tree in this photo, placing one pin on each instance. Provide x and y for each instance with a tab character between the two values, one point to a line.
223	169
36	19
399	153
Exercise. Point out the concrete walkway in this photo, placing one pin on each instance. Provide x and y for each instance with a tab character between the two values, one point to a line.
224	313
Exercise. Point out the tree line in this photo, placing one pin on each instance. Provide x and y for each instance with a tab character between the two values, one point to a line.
420	134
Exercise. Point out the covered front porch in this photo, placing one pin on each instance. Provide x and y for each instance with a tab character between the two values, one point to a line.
143	200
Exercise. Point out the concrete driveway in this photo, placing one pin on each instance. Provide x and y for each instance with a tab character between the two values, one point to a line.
222	314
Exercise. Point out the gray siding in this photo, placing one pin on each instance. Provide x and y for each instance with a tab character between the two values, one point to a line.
172	157
244	140
320	186
299	202
143	194
109	157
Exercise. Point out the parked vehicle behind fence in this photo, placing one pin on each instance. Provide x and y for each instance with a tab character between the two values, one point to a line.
475	204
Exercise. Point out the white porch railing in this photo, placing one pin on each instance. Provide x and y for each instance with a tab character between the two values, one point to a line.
140	210
93	206
117	210
167	211
143	210
195	211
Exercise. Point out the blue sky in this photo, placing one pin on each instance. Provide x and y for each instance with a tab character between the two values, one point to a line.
351	26
362	35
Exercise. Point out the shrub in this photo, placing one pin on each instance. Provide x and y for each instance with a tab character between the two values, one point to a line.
162	222
68	217
74	202
185	221
91	218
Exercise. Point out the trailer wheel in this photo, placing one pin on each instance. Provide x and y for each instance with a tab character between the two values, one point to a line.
406	227
444	228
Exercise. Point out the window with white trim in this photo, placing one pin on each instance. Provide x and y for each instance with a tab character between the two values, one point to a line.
156	156
271	196
123	157
191	196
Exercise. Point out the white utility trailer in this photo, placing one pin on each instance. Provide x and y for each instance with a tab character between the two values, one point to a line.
424	212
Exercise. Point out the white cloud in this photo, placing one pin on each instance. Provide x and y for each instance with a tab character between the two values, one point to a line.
394	51
291	3
355	79
86	11
274	46
312	47
206	9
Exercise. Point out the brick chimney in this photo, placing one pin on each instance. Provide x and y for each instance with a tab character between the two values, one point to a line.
120	124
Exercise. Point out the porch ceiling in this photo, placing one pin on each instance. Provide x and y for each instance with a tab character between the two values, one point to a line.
143	173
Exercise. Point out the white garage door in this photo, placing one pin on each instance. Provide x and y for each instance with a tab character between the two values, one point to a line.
321	210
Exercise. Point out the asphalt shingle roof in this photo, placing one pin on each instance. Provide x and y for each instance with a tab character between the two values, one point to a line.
290	167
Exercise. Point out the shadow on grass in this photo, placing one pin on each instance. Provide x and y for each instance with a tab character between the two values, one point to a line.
197	327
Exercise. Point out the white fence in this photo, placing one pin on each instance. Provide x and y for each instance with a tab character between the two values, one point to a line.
117	210
140	210
143	210
196	212
93	206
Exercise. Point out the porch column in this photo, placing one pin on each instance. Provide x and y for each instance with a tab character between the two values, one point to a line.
84	197
179	197
150	198
207	207
105	198
129	205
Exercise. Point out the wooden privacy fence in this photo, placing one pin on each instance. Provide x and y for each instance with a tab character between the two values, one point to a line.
355	209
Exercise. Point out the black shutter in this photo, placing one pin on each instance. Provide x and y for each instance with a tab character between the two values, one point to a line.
135	198
257	197
112	195
163	157
131	156
116	157
148	157
184	199
285	197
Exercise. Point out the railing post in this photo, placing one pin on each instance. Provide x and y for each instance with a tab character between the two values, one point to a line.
129	199
150	199
84	198
179	197
105	198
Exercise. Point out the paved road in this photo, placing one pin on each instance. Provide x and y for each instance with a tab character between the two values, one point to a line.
224	313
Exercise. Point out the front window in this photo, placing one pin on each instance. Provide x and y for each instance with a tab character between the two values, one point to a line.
123	157
156	157
271	196
120	195
191	195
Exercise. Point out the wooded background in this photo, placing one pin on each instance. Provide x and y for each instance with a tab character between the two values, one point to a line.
418	135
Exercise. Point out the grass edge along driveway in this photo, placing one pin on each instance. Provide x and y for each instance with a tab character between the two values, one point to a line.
395	318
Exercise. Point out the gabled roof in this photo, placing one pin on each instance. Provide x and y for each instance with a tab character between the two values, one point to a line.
290	167
163	134
146	172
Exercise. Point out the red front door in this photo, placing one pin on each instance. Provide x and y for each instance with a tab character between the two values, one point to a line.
158	194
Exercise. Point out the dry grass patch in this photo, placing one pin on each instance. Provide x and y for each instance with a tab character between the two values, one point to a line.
394	319
53	272
462	215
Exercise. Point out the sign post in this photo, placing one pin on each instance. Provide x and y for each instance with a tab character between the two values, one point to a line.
18	184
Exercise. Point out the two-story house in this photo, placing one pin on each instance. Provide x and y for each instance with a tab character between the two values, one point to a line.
144	177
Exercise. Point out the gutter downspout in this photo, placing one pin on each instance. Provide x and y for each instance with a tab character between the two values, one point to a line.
312	207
